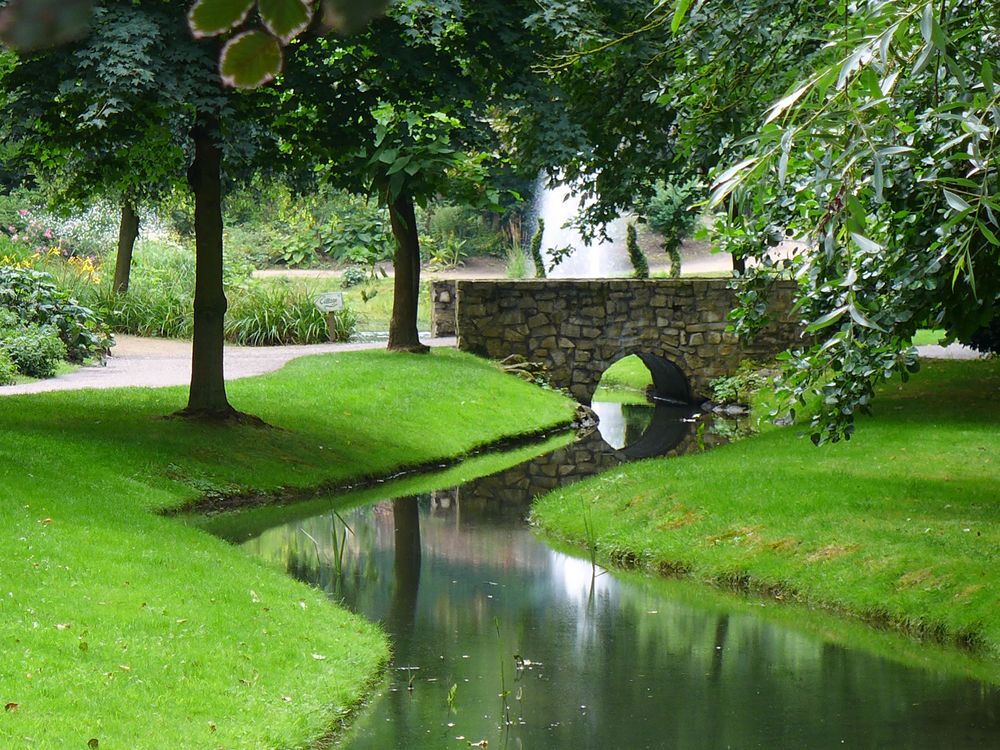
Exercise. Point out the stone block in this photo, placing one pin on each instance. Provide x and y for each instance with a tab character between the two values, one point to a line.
696	339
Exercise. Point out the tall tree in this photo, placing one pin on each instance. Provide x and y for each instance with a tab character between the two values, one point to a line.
132	104
417	107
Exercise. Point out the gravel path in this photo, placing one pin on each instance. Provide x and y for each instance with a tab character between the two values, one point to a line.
152	363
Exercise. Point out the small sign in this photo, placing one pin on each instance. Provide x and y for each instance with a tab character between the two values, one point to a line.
330	302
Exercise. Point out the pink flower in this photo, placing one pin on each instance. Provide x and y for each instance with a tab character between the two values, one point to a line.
48	234
23	212
12	229
13	238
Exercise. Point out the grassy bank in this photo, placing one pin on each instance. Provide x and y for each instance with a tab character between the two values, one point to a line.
134	630
900	526
625	382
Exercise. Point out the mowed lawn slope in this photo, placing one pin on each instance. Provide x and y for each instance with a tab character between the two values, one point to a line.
125	627
900	526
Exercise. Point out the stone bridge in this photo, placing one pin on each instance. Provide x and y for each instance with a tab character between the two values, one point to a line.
578	328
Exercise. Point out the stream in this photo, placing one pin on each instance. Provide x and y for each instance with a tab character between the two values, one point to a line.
498	638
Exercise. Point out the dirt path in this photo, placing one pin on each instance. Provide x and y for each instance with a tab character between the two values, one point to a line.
153	363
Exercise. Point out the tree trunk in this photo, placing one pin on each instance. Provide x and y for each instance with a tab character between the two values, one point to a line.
406	289
207	395
128	232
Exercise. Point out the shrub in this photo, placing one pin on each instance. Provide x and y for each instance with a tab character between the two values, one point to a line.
536	249
8	370
739	387
34	350
33	297
352	276
636	257
669	214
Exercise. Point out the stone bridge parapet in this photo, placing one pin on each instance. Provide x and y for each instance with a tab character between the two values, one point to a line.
578	328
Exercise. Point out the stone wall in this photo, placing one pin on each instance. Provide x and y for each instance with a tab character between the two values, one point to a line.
443	308
578	328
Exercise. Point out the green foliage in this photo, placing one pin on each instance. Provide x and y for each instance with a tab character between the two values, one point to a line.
536	249
741	386
987	338
34	298
638	101
34	350
668	212
8	370
268	223
416	151
640	266
447	253
27	25
254	57
472	227
883	155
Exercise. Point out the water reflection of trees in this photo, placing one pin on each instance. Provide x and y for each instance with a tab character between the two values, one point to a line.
648	670
440	570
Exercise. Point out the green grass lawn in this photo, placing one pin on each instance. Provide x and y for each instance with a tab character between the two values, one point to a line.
900	526
135	630
925	336
627	374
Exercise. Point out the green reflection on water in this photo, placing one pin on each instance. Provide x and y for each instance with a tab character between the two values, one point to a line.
615	661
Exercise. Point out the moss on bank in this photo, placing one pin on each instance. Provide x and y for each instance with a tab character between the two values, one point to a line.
900	526
134	630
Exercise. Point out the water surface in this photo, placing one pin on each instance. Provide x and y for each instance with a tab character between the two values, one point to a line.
499	637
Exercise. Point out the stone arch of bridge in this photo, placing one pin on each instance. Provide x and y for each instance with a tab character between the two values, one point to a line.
666	367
